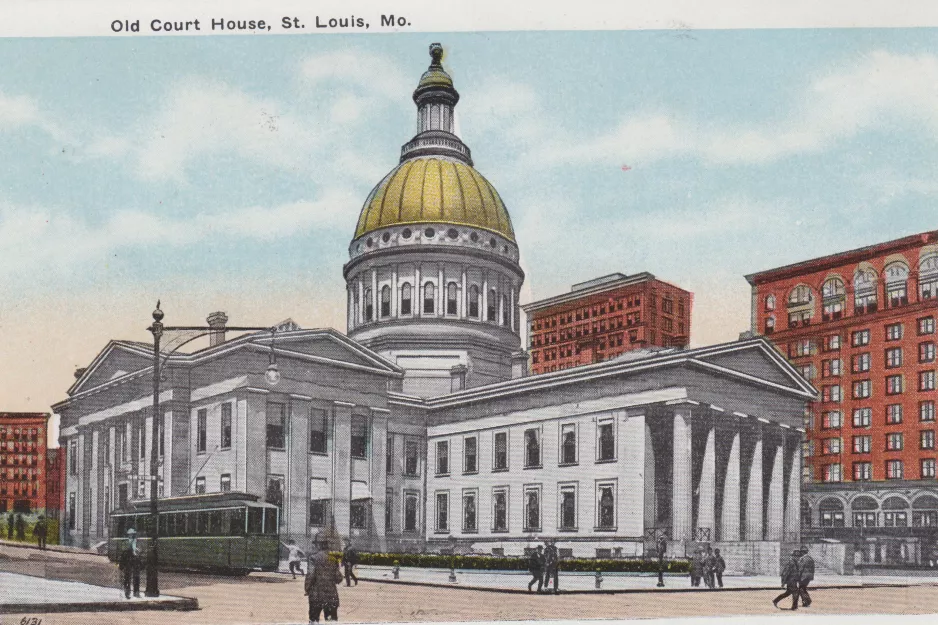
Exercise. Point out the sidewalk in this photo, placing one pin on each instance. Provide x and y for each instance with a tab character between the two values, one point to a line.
36	595
581	583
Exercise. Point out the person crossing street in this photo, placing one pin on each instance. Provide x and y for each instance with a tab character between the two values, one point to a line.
791	577
129	565
536	568
349	560
551	567
806	576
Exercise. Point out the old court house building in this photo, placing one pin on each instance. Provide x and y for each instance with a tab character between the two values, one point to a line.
421	429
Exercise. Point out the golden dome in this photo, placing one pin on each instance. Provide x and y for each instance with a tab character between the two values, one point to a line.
427	190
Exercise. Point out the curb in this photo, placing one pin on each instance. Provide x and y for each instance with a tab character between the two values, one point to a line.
181	604
52	548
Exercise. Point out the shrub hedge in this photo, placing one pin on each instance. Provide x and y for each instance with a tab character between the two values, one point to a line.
505	563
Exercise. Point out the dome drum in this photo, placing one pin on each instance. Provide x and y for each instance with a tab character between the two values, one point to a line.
429	237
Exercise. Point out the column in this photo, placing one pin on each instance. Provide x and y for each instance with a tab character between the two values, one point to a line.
297	488
416	305
631	505
180	453
376	312
84	497
378	478
167	466
681	494
350	310
464	297
511	307
395	292
441	294
93	487
706	500
650	504
342	466
255	457
360	313
754	490
484	310
775	510
729	515
793	491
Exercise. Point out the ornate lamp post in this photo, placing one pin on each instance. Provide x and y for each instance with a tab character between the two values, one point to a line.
184	334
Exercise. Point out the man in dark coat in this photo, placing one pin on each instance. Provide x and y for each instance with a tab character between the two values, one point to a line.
40	530
322	577
662	547
536	567
696	568
720	566
349	560
710	565
11	526
551	567
20	527
791	577
806	568
129	564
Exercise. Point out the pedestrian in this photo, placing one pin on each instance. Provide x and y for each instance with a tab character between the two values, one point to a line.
20	527
791	576
720	566
129	564
11	526
40	530
696	568
536	568
551	567
662	547
349	560
806	573
320	587
295	558
710	566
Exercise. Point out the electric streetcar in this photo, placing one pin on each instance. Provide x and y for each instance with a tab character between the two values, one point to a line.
231	533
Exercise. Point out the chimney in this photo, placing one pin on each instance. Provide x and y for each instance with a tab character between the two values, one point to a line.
519	364
80	372
216	321
458	377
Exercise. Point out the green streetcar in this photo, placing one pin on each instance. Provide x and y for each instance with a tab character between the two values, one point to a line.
232	533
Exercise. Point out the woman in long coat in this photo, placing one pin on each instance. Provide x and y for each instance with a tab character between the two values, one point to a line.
322	576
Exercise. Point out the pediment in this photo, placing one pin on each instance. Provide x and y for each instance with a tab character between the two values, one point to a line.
759	360
331	346
113	362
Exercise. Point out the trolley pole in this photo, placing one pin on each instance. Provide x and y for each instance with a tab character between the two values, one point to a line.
153	584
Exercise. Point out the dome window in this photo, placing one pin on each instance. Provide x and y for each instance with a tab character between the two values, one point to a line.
429	299
429	233
405	298
386	237
406	233
474	301
370	242
385	301
474	237
452	233
492	242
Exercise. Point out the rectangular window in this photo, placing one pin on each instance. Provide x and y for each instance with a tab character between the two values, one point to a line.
862	444
831	419
470	454
862	417
162	435
532	448
606	440
894	385
318	430
893	469
832	473
411	504
143	439
860	338
200	486
442	513
73	457
389	510
894	414
275	490
318	509
927	439
442	458
124	453
469	511
411	458
201	430
605	505
568	507
861	362
862	471
500	509
862	389
893	357
276	425
360	433
928	467
225	483
926	410
389	455
832	342
831	393
568	447
894	332
831	367
358	515
532	508
894	441
72	512
926	352
831	446
926	380
500	460
226	426
926	325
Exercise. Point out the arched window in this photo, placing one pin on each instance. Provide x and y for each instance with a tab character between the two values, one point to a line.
833	294
800	295
800	305
895	512
832	512
492	305
928	277
770	325
474	301
356	305
770	302
369	306
405	298
864	287
506	312
864	511
385	301
925	511
896	276
452	291
429	298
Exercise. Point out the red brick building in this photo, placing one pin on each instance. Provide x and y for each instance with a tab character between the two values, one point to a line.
55	479
860	325
605	317
23	461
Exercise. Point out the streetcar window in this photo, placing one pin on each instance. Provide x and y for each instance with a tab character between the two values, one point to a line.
203	523
120	525
164	524
215	523
270	521
255	520
236	522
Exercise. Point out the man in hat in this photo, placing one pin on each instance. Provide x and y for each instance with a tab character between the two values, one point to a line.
536	568
40	530
806	572
791	576
349	560
129	564
551	566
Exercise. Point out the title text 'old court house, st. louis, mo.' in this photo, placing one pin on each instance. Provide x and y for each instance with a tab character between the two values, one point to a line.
420	430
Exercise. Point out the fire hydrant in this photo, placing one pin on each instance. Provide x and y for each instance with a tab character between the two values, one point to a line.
396	571
599	579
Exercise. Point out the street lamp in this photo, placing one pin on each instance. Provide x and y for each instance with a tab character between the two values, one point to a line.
188	334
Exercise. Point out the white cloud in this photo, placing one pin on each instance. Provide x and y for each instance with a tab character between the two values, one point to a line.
371	73
23	111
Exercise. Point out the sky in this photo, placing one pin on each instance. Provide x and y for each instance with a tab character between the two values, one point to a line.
227	173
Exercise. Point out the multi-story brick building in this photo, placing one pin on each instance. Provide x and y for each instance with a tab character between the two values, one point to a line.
23	461
602	318
55	478
861	326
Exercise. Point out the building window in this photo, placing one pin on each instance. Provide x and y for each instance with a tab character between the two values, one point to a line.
926	352
831	393
226	426
894	332
389	455
318	430
926	325
506	311
893	357
769	325
389	510
862	444
831	446
385	301
369	306
926	380
474	301
568	507
275	490
470	454
469	512
360	436
442	513
864	287
500	509
411	458
928	277
532	448
532	508
605	505
831	419
452	292
770	302
832	343
276	426
500	448
862	471
442	458
894	441
406	298
568	447
800	296
606	440
860	338
864	519
927	439
926	410
928	467
201	430
831	368
833	294
224	483
894	385
490	313
73	457
318	509
832	473
895	519
142	439
199	485
862	389
893	469
410	511
896	274
429	299
72	512
861	362
358	515
893	414
800	348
